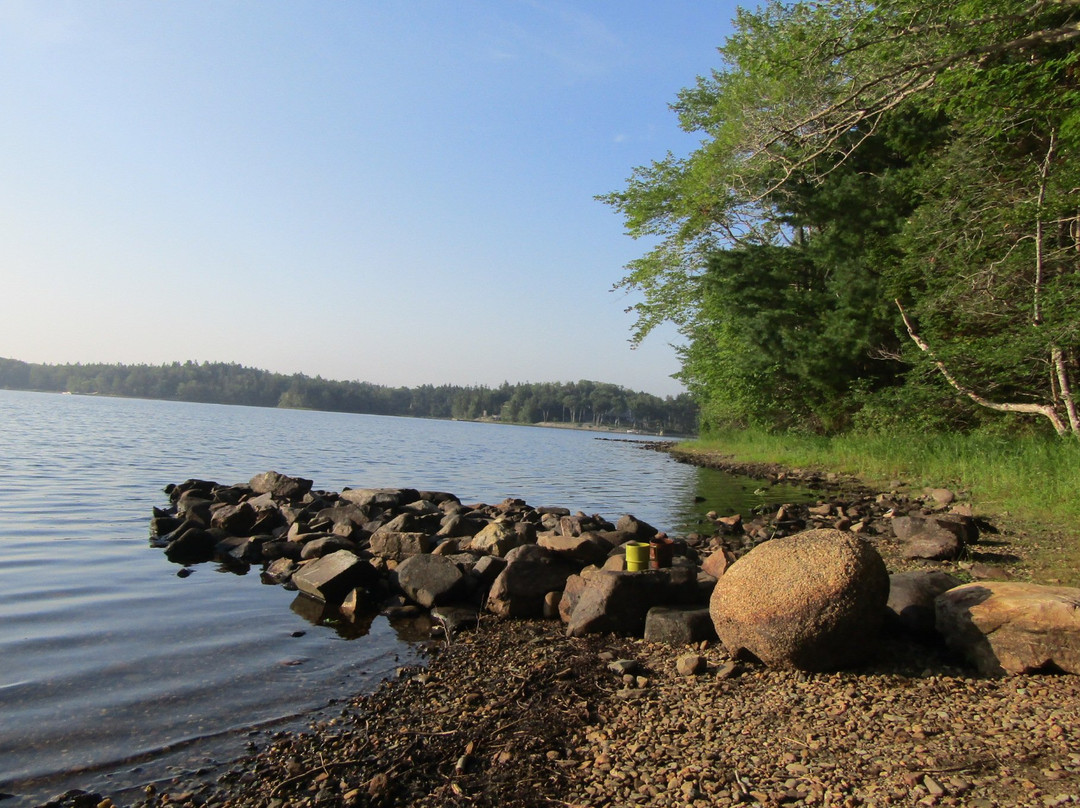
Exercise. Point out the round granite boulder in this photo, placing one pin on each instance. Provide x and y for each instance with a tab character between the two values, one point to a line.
813	601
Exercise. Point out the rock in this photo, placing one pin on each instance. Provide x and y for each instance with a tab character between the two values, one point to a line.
279	486
812	601
551	605
237	520
192	545
675	626
430	580
331	577
624	667
588	548
941	496
398	546
1010	628
278	571
521	588
934	543
487	569
620	601
716	563
575	585
498	538
456	618
355	602
380	497
317	548
911	599
636	529
691	665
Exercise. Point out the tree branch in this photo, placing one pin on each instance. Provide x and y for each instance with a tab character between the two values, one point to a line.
1045	410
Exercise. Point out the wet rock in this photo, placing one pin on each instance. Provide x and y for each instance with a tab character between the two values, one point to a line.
193	545
1010	628
813	601
331	577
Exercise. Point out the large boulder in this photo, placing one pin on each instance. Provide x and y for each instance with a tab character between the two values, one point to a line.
430	580
1009	628
619	602
812	601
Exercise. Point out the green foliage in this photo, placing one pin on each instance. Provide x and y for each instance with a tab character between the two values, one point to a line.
596	403
857	153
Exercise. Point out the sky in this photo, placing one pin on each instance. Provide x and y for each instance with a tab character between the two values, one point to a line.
400	193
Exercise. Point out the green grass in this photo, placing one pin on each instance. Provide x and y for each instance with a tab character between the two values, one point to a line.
1033	483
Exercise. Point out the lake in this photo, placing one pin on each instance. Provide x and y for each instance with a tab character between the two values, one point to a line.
116	670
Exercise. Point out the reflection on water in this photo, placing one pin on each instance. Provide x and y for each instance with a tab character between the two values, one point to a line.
729	494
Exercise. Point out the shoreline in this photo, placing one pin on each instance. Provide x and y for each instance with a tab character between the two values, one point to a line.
517	714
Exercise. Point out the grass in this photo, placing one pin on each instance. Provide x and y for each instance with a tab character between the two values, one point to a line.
1029	484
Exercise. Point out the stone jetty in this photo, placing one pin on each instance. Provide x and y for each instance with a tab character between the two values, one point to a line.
804	587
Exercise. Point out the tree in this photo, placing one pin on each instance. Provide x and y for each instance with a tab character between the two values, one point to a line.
854	153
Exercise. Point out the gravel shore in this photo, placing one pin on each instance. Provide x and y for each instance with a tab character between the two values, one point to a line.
516	714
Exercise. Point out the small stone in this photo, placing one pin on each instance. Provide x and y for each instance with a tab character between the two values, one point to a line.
690	664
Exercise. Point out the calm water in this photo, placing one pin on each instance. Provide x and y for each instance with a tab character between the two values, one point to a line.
112	665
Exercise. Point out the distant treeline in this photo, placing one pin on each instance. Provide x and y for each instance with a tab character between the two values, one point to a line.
582	402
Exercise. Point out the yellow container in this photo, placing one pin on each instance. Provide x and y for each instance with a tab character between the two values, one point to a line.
637	555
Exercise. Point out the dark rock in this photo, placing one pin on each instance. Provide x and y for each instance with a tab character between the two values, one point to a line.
637	529
331	577
278	571
280	486
520	589
238	520
678	626
620	601
911	599
317	548
192	546
430	580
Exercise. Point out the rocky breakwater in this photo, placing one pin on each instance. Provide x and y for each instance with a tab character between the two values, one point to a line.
799	586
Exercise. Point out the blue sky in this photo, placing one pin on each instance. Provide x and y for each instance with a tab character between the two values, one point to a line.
395	192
